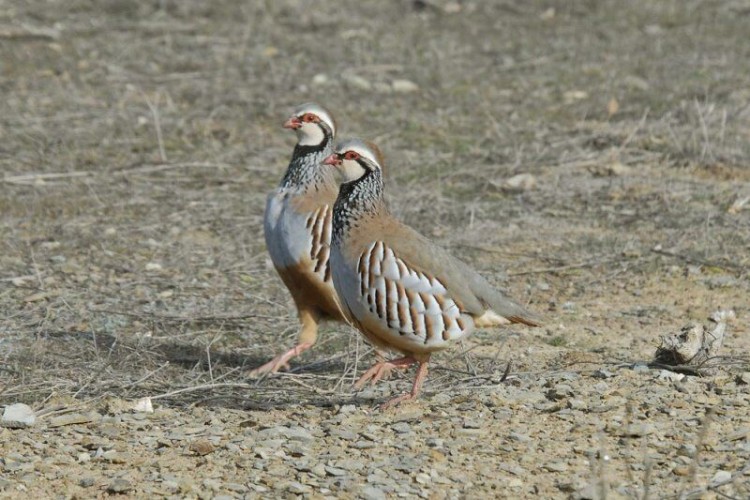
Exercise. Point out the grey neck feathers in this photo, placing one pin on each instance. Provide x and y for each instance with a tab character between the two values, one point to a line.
357	200
306	170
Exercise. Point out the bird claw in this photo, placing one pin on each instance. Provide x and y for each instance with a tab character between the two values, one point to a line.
275	365
396	401
374	374
382	369
280	362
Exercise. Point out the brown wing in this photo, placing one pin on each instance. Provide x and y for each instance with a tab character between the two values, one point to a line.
471	293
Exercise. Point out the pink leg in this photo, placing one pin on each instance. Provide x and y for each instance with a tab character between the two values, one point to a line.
418	381
383	368
307	336
281	361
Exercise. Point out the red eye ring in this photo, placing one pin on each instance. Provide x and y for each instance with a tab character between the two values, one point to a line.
351	155
309	118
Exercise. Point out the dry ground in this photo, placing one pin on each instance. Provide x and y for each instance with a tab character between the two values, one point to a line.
138	140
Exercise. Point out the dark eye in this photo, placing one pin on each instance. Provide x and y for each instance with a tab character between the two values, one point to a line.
351	155
309	118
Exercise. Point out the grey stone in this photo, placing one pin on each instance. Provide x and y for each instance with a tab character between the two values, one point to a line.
577	404
119	486
515	436
639	430
603	373
297	488
555	467
212	484
334	471
687	450
435	442
113	456
472	424
298	434
401	428
372	493
721	477
344	434
281	431
318	470
346	409
364	445
86	482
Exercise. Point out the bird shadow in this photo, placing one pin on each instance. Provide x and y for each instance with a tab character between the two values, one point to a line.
197	375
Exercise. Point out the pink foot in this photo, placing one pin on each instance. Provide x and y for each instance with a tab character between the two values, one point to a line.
397	401
418	381
382	369
281	361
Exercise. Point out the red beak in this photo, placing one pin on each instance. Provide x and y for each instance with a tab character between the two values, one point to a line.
293	123
332	160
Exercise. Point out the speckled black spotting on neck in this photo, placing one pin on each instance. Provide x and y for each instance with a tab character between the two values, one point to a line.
306	170
357	199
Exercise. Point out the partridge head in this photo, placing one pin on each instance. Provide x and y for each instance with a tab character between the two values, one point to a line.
312	123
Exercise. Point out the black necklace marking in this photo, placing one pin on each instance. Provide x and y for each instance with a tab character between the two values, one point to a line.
305	169
356	199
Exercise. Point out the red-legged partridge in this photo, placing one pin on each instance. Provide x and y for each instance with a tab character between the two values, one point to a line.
402	291
297	226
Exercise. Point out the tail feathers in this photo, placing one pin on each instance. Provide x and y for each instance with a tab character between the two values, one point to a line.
496	300
510	309
524	321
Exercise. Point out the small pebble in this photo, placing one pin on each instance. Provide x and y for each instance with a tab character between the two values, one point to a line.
404	86
370	492
401	428
119	486
86	482
202	447
334	471
721	477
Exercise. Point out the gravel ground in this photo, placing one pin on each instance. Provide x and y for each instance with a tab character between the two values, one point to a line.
589	156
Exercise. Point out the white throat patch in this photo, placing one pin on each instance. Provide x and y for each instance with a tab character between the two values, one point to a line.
310	134
351	170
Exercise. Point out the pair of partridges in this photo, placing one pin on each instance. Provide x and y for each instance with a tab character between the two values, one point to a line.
344	257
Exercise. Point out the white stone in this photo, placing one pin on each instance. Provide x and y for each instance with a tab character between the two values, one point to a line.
721	477
320	79
404	86
519	183
153	266
18	415
143	405
671	376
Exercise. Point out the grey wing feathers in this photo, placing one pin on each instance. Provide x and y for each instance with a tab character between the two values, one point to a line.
496	300
474	293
